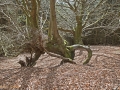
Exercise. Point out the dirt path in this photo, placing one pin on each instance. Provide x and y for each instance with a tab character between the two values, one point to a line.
102	73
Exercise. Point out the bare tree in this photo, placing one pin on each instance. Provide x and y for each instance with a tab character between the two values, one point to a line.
94	15
79	16
59	45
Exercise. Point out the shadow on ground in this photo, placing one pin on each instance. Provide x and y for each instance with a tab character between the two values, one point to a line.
102	73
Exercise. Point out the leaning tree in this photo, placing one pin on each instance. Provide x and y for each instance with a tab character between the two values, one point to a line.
31	9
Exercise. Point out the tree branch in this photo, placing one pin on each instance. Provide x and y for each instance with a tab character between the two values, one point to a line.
88	16
104	27
95	21
66	30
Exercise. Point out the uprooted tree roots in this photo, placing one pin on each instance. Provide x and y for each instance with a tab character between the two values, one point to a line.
36	49
31	61
73	47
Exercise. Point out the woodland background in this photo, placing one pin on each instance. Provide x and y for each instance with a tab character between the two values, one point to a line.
36	34
100	18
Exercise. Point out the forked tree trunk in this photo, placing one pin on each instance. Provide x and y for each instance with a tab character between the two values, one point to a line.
31	10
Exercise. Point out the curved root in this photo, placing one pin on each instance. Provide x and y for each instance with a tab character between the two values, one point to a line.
87	48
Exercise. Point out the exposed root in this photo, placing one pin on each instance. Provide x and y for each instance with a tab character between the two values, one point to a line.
73	47
61	57
28	63
87	48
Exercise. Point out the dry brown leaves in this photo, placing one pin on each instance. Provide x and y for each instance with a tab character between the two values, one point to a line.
102	73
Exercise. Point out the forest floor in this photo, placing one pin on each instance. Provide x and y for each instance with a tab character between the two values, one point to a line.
102	72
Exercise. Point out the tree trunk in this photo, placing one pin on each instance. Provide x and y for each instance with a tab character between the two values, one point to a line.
78	31
56	43
31	10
